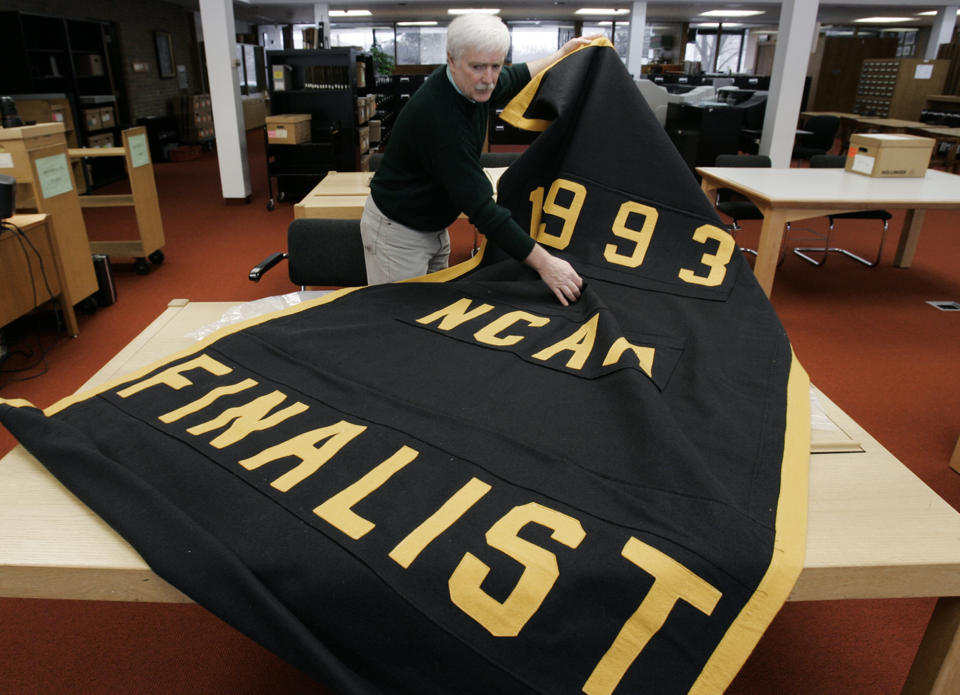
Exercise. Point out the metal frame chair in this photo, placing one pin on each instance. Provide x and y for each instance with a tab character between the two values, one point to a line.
836	162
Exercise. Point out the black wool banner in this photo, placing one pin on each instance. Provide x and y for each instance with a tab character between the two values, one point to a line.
457	485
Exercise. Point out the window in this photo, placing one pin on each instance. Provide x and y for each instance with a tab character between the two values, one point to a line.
531	42
728	57
421	45
353	36
704	49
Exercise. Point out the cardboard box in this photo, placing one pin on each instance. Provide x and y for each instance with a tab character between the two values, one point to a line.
106	117
889	154
88	64
363	138
100	140
374	130
92	118
288	129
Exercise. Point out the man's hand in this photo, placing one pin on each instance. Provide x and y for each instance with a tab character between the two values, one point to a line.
576	42
557	274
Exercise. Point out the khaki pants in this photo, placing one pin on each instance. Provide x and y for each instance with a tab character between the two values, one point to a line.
394	252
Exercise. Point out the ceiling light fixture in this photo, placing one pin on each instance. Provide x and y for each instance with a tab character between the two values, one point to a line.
731	13
715	25
349	13
884	20
468	10
426	23
601	11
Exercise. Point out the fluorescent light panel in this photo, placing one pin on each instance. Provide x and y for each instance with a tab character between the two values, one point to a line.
715	25
884	20
603	11
349	13
467	10
425	23
731	13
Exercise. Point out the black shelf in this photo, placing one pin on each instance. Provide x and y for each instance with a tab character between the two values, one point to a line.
43	54
346	74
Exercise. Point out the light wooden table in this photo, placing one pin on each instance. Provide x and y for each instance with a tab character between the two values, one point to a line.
341	194
786	195
875	530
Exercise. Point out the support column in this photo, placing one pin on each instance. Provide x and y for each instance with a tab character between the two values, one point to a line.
942	31
796	39
321	17
638	27
220	48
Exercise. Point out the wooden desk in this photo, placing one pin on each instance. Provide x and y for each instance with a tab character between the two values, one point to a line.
341	194
36	156
786	195
943	135
874	529
22	284
887	125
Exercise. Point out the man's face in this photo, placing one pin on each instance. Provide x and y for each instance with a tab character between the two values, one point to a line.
476	73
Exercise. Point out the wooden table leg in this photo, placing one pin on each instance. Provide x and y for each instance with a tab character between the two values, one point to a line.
936	669
768	249
909	236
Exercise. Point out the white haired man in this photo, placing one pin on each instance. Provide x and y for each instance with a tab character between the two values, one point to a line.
431	170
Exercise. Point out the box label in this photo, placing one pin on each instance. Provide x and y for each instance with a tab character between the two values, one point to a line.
862	163
6	160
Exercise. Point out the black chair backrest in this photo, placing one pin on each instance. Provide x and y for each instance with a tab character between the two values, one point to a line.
498	159
823	130
753	111
743	160
828	161
325	252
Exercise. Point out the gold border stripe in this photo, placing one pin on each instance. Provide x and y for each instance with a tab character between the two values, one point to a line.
513	112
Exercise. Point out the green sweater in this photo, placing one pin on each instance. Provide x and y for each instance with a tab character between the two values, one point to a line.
431	170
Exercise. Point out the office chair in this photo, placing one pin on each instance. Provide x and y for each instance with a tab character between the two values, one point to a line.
823	132
751	128
837	162
735	208
320	252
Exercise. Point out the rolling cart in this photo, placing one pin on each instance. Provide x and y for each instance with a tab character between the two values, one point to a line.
143	198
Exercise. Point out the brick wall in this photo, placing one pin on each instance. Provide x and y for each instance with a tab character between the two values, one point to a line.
145	93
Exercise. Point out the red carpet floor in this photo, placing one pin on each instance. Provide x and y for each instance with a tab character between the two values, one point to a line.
867	338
